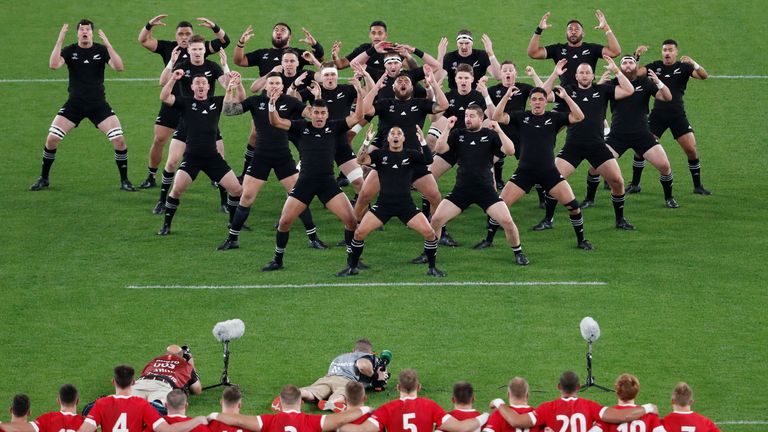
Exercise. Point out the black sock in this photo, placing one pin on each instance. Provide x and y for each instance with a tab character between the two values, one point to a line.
444	231
425	207
593	181
354	252
151	172
430	250
222	195
578	226
540	193
248	158
48	157
551	205
517	249
236	222
638	163
618	206
121	160
348	236
695	167
171	204
232	204
666	184
281	241
491	227
165	186
309	224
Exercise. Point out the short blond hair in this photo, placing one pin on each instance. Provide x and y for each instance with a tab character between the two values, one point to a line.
408	381
682	394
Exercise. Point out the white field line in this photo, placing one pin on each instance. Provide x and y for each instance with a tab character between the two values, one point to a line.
742	422
155	79
369	284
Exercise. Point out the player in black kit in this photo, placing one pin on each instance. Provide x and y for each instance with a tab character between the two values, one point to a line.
317	148
585	141
406	112
479	61
168	119
576	51
270	152
85	61
395	166
474	148
375	58
201	114
629	124
671	115
538	131
194	65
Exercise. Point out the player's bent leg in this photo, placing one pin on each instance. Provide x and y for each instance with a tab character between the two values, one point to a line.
500	213
439	167
161	136
231	184
370	188
56	132
251	188
612	173
114	132
564	195
420	224
428	187
175	152
354	173
220	148
688	143
658	158
291	210
444	212
171	204
369	223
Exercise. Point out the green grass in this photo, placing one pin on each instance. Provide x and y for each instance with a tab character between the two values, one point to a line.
685	297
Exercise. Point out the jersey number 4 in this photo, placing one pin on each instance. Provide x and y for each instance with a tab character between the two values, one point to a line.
121	425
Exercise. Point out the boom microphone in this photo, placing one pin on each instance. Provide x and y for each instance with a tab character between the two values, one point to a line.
590	331
226	331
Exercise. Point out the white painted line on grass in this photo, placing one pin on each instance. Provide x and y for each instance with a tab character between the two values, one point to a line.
367	284
56	80
742	422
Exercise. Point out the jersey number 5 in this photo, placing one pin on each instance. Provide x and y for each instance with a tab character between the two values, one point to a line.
407	425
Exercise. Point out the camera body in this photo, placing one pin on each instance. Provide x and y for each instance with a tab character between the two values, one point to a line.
381	374
186	353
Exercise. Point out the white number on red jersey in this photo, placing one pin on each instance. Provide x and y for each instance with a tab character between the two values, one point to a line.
575	423
121	425
634	426
407	425
290	429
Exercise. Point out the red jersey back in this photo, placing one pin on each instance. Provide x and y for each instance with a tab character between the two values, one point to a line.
360	420
496	422
291	421
217	426
678	421
461	414
175	368
409	415
178	418
123	414
57	421
650	423
571	414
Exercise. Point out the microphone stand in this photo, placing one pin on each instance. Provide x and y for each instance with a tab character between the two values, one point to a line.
590	378
224	375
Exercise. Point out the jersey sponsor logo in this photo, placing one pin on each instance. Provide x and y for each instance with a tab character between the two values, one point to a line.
575	56
403	113
207	73
472	142
376	62
86	61
586	99
461	108
205	111
395	166
639	88
595	95
276	59
340	96
484	139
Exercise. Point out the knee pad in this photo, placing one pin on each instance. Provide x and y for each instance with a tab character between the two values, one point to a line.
435	132
115	133
56	131
573	205
355	174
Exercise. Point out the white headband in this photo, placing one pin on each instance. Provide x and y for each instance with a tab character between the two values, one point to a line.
464	37
393	59
332	70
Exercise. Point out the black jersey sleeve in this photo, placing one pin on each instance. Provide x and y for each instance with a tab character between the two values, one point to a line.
375	156
496	139
297	126
552	50
66	53
218	45
254	57
356	52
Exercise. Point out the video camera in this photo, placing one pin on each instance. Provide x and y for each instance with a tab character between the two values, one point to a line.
186	352
380	373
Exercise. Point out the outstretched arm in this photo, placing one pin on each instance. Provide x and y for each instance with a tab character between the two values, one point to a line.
441	146
238	420
353	119
613	49
535	50
239	56
336	420
221	41
495	67
507	146
56	61
145	35
498	114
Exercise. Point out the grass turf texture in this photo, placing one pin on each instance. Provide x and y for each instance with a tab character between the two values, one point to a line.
685	296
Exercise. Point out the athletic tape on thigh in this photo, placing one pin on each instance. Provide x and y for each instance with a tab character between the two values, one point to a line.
435	132
355	174
114	133
56	131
